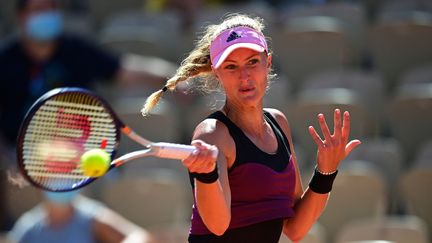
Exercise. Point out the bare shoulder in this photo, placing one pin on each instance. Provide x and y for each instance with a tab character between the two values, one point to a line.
215	132
210	130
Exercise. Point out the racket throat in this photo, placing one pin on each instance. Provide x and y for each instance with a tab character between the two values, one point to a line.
134	155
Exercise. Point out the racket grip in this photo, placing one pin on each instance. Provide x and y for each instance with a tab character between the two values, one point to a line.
175	151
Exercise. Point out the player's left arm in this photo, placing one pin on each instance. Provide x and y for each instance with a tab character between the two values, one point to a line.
308	204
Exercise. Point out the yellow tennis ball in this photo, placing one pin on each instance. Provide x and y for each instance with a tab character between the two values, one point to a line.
95	162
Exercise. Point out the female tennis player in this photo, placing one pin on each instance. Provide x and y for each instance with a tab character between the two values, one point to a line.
252	192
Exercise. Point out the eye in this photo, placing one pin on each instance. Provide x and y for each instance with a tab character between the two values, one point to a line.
230	67
253	61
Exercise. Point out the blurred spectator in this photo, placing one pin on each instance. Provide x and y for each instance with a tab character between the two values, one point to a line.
70	217
40	57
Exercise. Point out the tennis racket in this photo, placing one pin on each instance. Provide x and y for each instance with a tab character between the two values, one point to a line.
65	123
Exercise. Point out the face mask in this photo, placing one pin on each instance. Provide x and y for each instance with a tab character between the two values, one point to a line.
44	26
60	197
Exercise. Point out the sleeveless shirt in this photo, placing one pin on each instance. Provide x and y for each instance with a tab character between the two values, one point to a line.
262	186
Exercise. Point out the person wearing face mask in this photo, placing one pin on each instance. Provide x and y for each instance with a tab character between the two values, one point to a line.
70	217
41	56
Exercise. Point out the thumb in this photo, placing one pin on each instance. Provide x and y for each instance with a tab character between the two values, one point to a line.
199	144
351	145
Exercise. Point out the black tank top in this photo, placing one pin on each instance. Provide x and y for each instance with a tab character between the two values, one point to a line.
247	151
262	186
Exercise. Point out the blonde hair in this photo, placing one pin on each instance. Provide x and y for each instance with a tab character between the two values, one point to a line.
198	63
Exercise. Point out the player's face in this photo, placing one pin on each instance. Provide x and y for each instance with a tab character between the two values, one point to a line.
243	75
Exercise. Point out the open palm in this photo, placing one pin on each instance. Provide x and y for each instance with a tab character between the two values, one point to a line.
334	147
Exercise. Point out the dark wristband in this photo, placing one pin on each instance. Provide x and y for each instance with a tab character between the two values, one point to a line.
207	177
321	183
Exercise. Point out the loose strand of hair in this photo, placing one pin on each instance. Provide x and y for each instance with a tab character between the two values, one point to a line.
151	102
186	70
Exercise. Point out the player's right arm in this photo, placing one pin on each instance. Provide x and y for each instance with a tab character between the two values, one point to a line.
214	199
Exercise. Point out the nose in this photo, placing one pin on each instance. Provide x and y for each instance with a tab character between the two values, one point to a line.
244	74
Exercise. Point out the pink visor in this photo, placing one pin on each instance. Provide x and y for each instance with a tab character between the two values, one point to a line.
231	39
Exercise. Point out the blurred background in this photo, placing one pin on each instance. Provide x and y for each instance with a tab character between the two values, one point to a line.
370	57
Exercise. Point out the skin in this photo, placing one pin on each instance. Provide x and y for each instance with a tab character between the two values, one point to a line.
243	76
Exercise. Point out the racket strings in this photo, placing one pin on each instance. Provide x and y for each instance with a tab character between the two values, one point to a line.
61	130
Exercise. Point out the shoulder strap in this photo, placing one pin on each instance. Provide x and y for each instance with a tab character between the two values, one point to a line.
280	131
233	129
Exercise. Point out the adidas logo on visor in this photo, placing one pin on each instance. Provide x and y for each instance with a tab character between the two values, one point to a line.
233	36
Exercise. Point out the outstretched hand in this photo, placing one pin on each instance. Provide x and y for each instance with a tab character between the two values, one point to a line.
334	147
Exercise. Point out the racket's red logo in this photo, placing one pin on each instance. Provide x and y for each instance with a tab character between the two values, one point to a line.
72	132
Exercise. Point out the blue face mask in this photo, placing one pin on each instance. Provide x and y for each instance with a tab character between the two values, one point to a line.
44	26
61	197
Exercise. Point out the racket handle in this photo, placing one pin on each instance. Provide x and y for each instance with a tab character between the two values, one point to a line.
175	151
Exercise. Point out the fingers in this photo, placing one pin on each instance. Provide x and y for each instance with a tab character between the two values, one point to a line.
199	144
346	127
351	145
341	129
335	147
202	160
324	128
316	137
337	124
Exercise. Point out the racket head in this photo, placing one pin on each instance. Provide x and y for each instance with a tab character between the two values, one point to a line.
60	126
